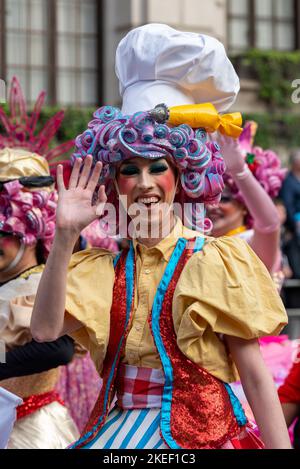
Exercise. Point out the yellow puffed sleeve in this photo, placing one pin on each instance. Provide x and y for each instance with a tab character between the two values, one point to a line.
89	298
224	290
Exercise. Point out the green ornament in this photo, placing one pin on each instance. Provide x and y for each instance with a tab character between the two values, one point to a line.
250	157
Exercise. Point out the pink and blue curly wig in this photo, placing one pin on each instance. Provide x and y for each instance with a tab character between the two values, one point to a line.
112	137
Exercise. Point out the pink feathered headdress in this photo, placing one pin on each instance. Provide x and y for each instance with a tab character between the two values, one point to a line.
28	200
20	128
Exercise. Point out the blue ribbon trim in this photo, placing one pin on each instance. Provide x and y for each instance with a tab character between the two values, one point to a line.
165	423
236	406
199	243
116	259
167	365
129	269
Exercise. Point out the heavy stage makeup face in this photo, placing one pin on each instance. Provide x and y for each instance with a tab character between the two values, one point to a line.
148	188
9	248
14	257
228	215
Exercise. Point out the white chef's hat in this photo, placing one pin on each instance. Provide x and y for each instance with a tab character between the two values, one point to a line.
157	64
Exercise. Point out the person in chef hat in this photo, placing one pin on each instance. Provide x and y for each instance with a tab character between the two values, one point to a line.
157	64
168	319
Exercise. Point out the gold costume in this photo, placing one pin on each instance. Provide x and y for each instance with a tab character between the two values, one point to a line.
51	425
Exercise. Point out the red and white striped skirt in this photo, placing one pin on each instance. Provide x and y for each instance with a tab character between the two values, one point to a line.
134	422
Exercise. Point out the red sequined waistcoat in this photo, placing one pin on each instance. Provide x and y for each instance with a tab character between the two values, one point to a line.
196	408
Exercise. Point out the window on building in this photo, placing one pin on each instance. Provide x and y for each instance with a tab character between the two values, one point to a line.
267	24
26	44
76	51
52	46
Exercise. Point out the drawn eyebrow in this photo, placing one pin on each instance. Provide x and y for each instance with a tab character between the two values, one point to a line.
128	162
131	161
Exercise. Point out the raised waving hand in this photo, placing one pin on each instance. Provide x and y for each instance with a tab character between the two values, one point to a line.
232	154
75	208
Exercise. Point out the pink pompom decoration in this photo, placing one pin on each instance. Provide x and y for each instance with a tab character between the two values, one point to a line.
97	237
29	215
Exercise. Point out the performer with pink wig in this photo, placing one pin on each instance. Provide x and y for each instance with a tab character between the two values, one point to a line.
253	177
167	320
28	203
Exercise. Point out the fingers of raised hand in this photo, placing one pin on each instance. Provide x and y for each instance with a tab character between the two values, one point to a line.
227	142
85	173
60	178
75	173
94	179
102	198
222	140
235	145
82	176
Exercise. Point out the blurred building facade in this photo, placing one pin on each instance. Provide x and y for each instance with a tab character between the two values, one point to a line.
68	46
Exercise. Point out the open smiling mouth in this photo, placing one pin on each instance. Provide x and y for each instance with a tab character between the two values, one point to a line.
148	201
215	214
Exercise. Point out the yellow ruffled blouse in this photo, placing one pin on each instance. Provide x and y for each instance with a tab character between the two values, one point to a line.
224	289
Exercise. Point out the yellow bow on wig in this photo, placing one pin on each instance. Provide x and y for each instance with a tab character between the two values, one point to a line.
204	115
